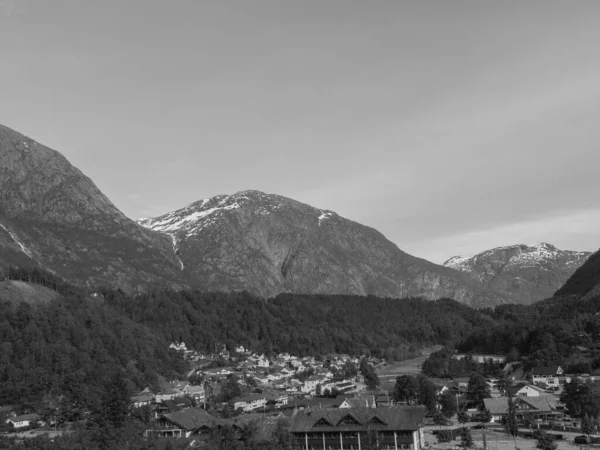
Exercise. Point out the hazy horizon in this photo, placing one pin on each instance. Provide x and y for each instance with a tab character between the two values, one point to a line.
450	127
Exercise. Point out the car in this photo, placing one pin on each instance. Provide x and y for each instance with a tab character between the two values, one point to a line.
583	439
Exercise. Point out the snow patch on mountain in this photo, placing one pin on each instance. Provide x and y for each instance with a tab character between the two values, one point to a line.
174	240
521	255
324	215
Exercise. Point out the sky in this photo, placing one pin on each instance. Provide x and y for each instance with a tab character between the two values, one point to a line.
450	126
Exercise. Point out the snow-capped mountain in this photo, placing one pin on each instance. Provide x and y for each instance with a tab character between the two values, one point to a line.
521	273
53	217
268	244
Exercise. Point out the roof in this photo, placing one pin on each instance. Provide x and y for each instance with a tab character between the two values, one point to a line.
143	397
542	403
387	418
496	406
549	370
189	419
24	417
357	402
324	402
512	390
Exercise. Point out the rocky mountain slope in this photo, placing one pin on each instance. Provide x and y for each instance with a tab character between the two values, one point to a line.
585	281
520	273
52	216
268	244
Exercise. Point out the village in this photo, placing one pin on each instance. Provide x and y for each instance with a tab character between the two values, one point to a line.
330	403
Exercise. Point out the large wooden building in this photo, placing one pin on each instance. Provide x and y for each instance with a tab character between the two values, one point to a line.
394	427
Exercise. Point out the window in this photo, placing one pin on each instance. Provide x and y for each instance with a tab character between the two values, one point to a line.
376	421
323	422
348	420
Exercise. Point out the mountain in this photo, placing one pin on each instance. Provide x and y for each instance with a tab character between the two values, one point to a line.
520	273
268	244
585	281
54	217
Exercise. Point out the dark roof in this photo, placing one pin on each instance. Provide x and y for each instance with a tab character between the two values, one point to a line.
550	370
389	418
542	403
190	419
496	406
24	417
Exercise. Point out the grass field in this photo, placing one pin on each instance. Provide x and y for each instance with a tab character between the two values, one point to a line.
499	440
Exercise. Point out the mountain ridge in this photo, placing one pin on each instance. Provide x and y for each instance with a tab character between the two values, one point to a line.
291	241
526	273
54	217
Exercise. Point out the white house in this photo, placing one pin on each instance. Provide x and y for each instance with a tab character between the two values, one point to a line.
310	384
250	402
525	390
546	375
24	421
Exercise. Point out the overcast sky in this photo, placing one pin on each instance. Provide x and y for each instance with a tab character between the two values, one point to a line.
450	126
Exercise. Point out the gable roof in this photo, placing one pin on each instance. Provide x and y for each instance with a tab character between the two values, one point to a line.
23	418
357	402
548	370
496	406
189	419
513	390
542	403
393	418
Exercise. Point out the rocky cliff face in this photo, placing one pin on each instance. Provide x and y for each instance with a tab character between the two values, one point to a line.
54	217
268	244
520	273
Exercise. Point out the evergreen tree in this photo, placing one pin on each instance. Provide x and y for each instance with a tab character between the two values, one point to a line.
449	403
510	421
466	440
546	441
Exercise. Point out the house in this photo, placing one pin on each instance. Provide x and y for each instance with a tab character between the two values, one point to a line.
541	407
178	346
168	394
359	402
195	392
525	390
250	402
183	423
142	399
395	427
23	421
482	358
546	375
311	383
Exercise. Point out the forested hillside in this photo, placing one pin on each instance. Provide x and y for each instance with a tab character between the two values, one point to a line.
72	345
550	332
302	324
